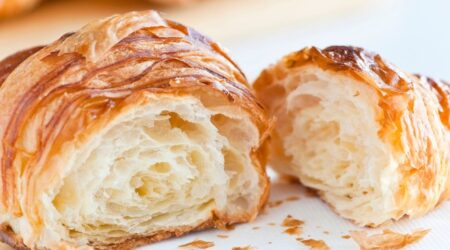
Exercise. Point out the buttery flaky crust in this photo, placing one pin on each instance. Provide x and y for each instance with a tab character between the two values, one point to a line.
10	8
78	109
373	139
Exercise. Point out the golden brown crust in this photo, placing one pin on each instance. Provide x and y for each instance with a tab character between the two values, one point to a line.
442	91
95	71
358	62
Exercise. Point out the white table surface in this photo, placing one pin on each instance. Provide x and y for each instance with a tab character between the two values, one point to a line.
413	34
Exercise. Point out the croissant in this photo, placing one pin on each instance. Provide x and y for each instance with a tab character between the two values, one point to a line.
129	131
10	8
372	139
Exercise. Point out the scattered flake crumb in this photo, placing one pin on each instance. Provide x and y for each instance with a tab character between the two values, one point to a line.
293	231
270	242
326	232
293	198
290	221
293	225
255	228
315	244
387	240
271	224
198	244
346	236
242	248
276	203
223	236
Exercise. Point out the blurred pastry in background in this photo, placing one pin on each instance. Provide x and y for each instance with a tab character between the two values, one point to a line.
9	8
173	2
371	138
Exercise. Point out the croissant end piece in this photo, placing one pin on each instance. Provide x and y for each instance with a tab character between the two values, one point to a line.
372	139
131	130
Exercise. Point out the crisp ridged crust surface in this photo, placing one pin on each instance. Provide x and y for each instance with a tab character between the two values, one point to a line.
8	64
442	91
92	72
425	160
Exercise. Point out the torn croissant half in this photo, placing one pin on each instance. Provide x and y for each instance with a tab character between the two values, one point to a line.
129	131
372	139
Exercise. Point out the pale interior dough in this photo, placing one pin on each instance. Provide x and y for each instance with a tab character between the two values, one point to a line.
165	164
331	137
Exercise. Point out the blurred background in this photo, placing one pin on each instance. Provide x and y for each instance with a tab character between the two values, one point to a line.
413	34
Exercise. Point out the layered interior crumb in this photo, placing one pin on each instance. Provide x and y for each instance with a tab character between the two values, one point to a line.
329	132
163	165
